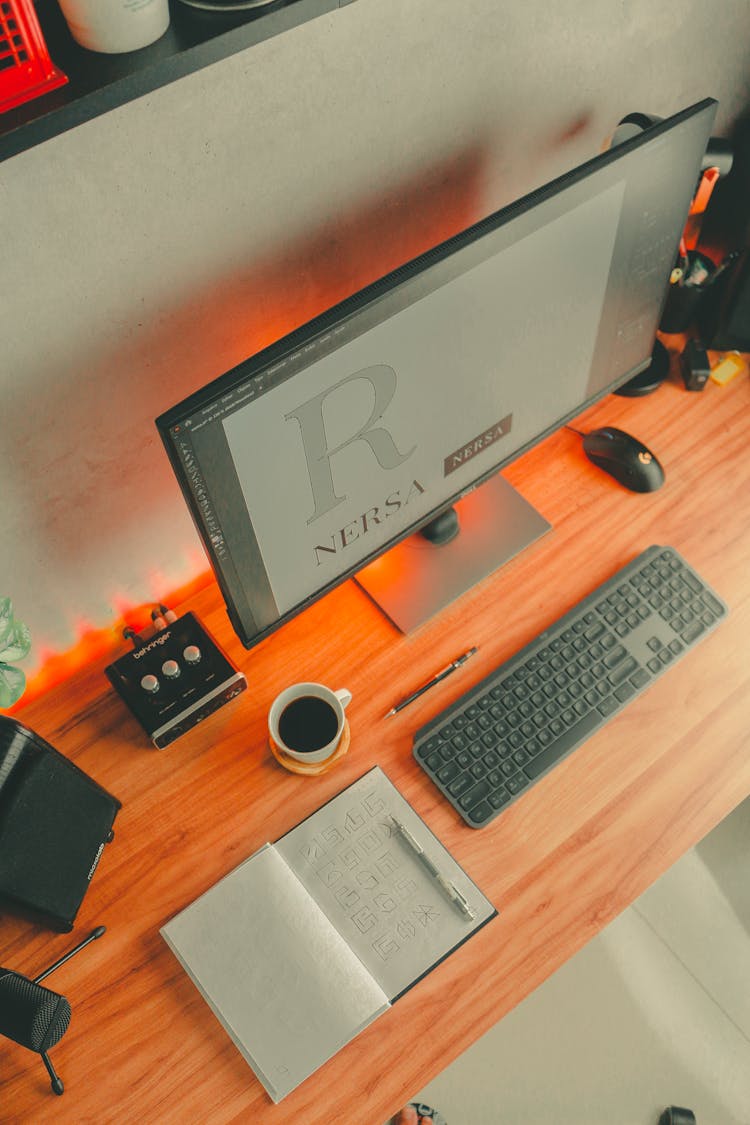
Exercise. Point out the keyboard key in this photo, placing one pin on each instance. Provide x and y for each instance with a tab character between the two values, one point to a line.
560	746
622	671
430	745
625	692
517	783
715	606
692	632
447	772
692	583
461	784
614	656
480	813
474	795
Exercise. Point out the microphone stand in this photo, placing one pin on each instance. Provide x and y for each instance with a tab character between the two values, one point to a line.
97	933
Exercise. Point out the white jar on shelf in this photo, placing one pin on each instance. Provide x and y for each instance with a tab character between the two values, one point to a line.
116	26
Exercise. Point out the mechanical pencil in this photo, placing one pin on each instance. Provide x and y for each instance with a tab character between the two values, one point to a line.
448	888
431	683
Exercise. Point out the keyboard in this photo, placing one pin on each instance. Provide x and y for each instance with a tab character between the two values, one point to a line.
487	748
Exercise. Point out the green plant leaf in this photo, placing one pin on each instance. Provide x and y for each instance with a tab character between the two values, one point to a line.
6	618
17	643
12	684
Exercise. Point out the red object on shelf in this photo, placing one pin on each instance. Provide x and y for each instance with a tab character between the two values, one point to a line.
26	70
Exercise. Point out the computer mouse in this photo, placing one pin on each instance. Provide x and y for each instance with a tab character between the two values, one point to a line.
624	458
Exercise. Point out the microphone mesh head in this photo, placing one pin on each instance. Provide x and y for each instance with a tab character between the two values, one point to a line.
33	1016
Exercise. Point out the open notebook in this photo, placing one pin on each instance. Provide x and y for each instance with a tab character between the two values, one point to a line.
313	937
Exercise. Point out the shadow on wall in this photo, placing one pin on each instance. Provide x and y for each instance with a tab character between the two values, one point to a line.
93	502
114	394
86	475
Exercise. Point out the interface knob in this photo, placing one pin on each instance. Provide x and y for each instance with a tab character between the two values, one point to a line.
150	684
192	654
171	669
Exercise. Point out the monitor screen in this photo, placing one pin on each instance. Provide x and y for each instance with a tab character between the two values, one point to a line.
312	458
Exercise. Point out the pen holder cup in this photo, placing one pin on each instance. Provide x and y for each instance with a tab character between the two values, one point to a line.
684	301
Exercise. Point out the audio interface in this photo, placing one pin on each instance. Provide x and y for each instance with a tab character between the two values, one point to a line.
175	679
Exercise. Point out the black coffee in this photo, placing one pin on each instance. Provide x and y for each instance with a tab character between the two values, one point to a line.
308	724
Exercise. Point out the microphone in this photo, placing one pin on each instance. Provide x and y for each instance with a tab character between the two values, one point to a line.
36	1017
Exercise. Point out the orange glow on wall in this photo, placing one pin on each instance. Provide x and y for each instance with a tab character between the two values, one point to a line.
247	310
100	645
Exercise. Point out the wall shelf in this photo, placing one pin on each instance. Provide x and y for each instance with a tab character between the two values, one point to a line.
99	83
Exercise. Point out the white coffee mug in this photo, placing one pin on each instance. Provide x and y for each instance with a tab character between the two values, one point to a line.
307	721
115	26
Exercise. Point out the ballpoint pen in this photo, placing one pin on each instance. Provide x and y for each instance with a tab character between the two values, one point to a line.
448	888
431	683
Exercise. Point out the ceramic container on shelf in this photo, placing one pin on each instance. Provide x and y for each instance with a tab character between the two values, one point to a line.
116	26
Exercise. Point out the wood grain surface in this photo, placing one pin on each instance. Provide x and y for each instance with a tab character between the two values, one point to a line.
559	864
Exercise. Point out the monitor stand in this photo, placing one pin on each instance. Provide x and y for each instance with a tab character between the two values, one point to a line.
650	379
416	578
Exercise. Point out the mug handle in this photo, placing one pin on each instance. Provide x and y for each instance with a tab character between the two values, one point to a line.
344	697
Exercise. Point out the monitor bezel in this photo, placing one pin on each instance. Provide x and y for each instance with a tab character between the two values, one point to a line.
257	365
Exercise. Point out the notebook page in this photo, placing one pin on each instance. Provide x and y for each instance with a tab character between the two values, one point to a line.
375	889
284	984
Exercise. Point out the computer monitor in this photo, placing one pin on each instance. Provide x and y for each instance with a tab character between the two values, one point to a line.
308	462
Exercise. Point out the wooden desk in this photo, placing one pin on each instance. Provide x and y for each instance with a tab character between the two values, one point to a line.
559	864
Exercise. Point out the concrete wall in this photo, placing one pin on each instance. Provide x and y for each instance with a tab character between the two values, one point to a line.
149	250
